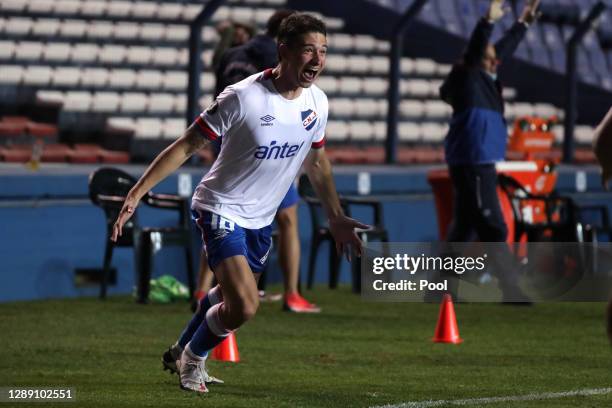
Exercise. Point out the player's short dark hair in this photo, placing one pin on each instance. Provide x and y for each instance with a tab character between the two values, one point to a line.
275	21
298	24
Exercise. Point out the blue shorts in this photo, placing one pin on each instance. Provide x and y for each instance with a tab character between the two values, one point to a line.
223	239
291	198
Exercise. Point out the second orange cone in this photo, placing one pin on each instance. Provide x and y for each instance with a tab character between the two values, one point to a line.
447	330
227	350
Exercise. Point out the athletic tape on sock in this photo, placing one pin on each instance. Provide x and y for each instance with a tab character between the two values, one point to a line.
213	320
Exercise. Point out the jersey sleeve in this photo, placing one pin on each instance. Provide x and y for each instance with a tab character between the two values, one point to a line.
318	139
220	116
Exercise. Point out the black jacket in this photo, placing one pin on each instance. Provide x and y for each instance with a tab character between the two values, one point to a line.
478	131
240	62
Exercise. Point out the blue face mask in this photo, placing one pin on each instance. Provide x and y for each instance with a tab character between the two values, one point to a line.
492	75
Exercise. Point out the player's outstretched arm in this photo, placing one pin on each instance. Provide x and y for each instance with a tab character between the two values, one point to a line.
164	164
341	227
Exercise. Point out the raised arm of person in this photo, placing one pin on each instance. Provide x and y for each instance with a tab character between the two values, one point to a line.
341	227
479	39
506	45
164	164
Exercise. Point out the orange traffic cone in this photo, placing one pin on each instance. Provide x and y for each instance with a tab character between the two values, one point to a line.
227	350
446	329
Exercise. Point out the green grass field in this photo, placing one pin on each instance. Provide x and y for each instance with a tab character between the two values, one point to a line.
353	354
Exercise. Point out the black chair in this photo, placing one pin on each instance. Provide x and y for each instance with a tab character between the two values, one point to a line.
566	221
321	232
107	190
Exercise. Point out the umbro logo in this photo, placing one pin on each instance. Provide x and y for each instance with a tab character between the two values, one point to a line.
267	120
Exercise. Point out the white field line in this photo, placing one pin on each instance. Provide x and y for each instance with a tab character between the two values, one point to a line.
493	400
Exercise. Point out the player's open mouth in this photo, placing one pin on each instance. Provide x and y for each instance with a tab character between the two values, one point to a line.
310	74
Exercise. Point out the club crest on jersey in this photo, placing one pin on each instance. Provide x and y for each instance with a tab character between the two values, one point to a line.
309	118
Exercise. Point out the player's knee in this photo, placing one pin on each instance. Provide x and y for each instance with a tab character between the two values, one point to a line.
248	308
285	219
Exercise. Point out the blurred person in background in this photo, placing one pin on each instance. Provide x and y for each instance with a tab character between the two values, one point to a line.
236	64
231	34
476	139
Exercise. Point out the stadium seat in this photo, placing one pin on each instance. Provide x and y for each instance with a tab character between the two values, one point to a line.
105	102
13	5
328	84
73	28
77	101
126	31
336	131
107	189
46	27
350	85
425	67
178	33
37	75
358	64
409	132
93	8
170	11
139	55
66	76
133	102
18	26
96	77
367	108
28	50
341	42
379	65
410	108
433	132
122	78
148	79
165	56
364	43
341	107
84	53
148	128
175	80
101	30
57	52
144	9
49	98
11	74
380	132
173	128
119	8
437	110
112	54
375	86
7	50
161	103
361	131
68	7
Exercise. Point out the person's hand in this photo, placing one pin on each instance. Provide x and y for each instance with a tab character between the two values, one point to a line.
342	229
129	206
496	10
530	12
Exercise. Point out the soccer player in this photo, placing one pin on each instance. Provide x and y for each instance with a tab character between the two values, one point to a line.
271	123
236	64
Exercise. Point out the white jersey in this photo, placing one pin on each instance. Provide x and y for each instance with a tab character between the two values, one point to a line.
264	140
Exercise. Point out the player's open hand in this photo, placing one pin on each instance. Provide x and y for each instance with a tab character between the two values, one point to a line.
497	9
342	229
129	206
530	12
